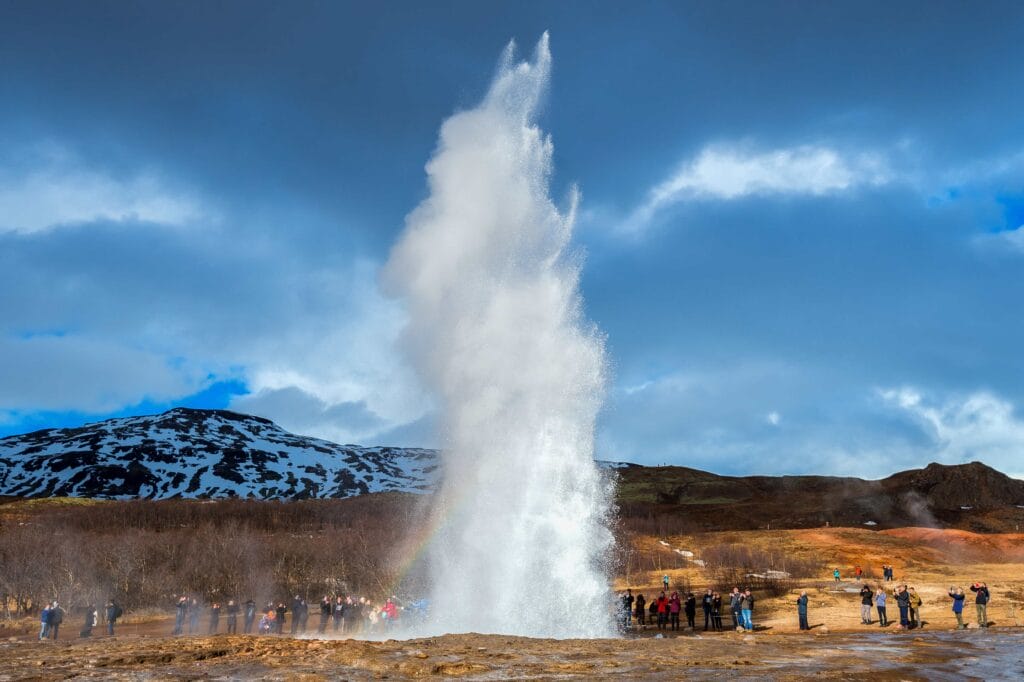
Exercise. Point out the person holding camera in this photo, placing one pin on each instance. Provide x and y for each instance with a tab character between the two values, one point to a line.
958	596
981	600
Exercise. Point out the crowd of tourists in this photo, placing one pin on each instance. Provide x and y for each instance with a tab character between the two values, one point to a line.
342	615
665	610
52	616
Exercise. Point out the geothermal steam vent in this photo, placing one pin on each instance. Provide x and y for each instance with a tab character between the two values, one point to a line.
496	331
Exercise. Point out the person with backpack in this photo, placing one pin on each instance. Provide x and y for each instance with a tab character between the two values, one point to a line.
880	598
981	600
641	612
865	604
915	609
113	612
56	618
91	620
691	611
44	622
249	614
801	610
958	597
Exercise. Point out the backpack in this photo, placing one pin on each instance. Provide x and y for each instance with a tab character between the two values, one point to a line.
118	611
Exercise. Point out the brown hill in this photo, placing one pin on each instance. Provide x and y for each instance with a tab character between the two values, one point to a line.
967	496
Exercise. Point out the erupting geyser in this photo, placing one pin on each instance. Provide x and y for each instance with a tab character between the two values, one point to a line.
497	331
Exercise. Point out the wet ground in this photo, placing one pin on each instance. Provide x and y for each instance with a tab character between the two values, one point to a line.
997	654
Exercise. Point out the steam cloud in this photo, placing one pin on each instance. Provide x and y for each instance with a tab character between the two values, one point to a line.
496	329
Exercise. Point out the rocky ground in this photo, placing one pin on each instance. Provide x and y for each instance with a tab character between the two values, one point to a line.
997	654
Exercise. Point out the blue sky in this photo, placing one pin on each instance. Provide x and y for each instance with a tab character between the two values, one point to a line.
803	222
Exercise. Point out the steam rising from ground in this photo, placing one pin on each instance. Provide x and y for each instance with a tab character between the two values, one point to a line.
496	330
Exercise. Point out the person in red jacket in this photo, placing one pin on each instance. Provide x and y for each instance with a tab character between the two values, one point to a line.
662	611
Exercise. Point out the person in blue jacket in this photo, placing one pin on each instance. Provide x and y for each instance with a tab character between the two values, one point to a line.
801	610
958	596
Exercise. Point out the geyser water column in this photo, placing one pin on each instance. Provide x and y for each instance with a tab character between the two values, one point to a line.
497	331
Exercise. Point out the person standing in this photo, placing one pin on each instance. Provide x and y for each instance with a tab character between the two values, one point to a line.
91	618
181	608
981	600
279	621
193	616
716	612
325	614
214	618
641	611
705	604
296	614
865	604
858	572
880	598
674	607
958	597
664	581
56	618
232	613
44	622
691	611
113	613
747	610
303	616
734	607
903	604
915	609
835	574
250	615
801	610
627	609
662	611
338	614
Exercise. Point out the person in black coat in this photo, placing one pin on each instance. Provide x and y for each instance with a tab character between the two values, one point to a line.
641	612
250	616
232	612
325	614
91	616
56	618
279	621
214	618
339	614
113	613
193	616
705	604
690	607
303	616
181	610
296	614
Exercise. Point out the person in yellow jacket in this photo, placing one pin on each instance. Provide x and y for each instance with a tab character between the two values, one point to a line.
915	609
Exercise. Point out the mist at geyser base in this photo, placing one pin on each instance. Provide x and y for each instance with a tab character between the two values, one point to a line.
496	330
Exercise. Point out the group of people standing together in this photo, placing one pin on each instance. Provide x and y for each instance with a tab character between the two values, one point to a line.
664	611
347	615
909	603
52	616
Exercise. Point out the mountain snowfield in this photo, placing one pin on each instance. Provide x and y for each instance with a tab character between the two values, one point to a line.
202	453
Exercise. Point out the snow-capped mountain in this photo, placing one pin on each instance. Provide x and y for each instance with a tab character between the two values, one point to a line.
202	453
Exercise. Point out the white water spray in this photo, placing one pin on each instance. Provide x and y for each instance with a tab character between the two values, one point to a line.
496	329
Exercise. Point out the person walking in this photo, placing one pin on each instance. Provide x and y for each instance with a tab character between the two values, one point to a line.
56	618
641	611
113	613
865	604
801	610
981	600
705	604
915	609
214	618
958	597
232	612
691	611
880	598
674	606
44	622
903	604
249	615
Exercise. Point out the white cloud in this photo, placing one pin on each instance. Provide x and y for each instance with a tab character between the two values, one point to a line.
1001	242
979	426
724	173
53	189
773	418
